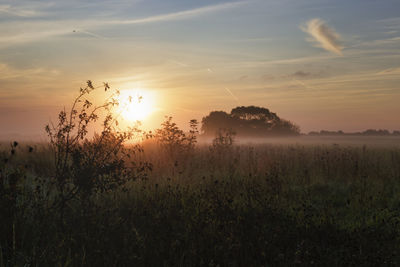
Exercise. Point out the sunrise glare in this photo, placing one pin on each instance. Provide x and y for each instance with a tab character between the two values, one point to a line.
135	104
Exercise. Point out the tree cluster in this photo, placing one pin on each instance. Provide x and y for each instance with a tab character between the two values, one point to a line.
249	121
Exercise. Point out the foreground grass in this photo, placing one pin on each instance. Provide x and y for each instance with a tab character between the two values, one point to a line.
279	205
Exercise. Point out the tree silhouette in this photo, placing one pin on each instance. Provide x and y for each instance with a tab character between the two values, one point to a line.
248	121
216	120
253	113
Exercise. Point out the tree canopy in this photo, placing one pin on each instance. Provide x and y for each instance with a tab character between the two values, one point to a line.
249	121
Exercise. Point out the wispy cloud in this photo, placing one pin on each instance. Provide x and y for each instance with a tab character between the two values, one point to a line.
301	74
380	42
7	72
179	63
303	84
323	35
298	75
8	9
392	71
32	36
25	8
366	77
181	14
390	23
41	30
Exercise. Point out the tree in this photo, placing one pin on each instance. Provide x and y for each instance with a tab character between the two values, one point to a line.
216	120
173	139
249	121
285	127
254	113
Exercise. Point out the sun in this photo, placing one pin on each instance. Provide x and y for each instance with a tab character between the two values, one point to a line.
135	104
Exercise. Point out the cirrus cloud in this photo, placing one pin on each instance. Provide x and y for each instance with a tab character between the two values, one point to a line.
323	35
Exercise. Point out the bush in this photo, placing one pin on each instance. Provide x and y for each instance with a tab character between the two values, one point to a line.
224	139
174	140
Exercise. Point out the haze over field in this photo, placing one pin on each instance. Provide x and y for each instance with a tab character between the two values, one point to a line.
199	133
330	65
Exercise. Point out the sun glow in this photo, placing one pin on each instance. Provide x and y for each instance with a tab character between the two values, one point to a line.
135	105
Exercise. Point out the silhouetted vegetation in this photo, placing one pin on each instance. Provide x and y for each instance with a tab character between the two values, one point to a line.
174	140
249	121
94	200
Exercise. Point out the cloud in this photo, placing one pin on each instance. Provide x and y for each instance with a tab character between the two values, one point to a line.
300	74
7	72
24	8
391	32
17	11
392	71
32	36
381	42
39	30
268	77
178	63
325	36
180	14
390	23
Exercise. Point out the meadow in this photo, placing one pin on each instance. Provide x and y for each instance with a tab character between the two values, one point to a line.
173	198
208	204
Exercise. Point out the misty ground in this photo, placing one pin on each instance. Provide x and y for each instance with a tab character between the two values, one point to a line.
384	141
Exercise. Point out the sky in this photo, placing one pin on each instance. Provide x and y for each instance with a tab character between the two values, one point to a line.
322	64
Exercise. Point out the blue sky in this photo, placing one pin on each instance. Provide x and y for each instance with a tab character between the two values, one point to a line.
322	64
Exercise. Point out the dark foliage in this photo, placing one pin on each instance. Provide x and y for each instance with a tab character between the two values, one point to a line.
175	141
249	121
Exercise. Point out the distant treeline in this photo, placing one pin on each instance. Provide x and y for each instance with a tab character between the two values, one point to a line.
369	132
249	121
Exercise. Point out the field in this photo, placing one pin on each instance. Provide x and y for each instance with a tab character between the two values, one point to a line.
301	202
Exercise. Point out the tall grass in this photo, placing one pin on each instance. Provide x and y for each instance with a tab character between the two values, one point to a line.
247	205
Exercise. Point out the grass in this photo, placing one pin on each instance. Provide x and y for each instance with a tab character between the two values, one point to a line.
240	205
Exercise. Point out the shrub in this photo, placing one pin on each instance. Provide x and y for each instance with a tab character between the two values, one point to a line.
85	165
224	139
173	139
